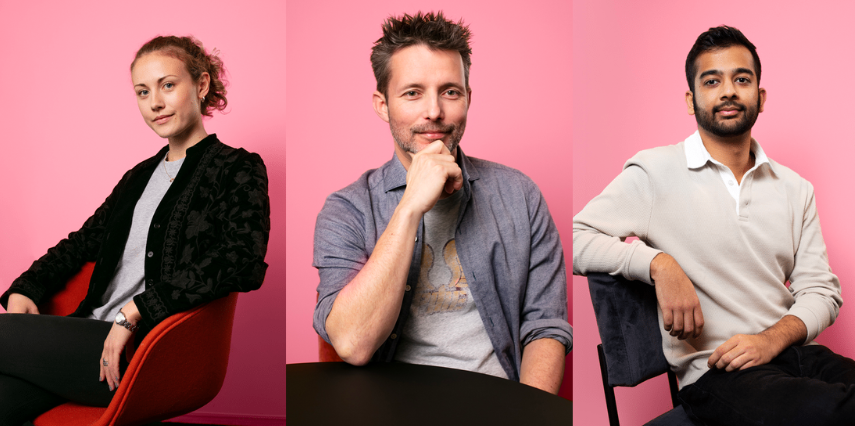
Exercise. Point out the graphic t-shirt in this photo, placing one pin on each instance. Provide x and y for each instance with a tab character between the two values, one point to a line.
444	327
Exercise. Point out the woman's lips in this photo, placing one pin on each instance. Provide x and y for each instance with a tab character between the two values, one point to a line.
161	119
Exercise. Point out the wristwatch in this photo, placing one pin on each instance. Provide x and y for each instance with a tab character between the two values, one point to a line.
121	320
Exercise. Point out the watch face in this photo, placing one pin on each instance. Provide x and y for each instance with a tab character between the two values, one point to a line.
120	318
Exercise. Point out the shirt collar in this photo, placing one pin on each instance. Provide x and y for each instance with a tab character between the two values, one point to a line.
395	175
697	155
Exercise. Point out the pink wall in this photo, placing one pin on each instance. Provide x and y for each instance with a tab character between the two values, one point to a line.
520	116
628	95
71	128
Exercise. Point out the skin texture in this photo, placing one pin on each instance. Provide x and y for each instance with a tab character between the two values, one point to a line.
727	100
164	87
426	110
747	350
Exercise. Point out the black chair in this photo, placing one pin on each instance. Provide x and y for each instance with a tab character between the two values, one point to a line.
631	351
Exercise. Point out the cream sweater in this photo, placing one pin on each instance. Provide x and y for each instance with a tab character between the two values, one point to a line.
739	263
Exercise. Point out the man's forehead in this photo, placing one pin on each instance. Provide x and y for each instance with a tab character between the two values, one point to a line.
421	60
723	59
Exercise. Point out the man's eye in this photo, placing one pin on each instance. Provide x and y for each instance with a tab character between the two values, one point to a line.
452	92
710	82
411	93
743	80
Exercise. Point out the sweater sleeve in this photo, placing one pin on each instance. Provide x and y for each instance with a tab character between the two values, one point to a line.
815	288
622	210
234	261
49	273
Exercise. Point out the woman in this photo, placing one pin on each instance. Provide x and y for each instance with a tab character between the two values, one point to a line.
182	228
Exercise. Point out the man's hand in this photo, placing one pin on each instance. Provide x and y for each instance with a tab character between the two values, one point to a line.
681	309
432	171
748	350
20	304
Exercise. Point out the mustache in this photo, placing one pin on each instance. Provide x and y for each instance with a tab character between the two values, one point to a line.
729	104
433	128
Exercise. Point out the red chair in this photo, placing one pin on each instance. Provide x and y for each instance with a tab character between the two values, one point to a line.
179	366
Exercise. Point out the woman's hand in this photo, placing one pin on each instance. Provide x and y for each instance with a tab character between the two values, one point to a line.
113	346
20	304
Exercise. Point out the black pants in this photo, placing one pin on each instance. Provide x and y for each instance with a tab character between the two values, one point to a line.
804	385
48	360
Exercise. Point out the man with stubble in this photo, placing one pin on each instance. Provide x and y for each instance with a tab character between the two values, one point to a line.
721	231
438	258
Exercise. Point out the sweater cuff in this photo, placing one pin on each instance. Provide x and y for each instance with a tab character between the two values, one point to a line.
639	262
812	323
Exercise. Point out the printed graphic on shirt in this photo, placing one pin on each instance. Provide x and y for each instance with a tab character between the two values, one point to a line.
442	286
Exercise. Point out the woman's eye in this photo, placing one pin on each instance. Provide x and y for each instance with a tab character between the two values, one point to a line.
168	85
142	93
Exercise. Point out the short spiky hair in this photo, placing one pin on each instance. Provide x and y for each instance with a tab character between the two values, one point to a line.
718	38
429	29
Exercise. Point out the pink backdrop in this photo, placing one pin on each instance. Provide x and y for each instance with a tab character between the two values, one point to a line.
71	128
628	95
519	116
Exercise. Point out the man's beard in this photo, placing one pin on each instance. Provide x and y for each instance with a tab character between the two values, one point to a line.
729	127
406	137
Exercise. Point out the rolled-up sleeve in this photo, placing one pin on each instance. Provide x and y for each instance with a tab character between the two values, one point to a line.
544	313
339	253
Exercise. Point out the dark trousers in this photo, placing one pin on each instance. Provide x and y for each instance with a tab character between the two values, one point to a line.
804	385
48	360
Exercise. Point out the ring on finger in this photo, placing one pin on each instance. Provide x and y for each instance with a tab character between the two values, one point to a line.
104	362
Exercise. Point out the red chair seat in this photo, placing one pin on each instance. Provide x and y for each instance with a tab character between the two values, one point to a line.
179	366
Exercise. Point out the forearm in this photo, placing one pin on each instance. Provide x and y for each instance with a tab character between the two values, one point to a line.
788	331
366	309
543	365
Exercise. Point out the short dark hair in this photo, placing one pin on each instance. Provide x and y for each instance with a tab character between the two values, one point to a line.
429	29
718	38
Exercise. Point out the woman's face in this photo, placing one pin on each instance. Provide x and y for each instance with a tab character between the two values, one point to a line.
168	98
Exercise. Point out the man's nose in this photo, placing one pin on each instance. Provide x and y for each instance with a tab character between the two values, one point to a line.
433	108
728	89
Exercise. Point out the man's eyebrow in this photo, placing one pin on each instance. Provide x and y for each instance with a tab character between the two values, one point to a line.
159	80
709	72
748	71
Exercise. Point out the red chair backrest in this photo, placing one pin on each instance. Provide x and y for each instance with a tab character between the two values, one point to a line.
66	301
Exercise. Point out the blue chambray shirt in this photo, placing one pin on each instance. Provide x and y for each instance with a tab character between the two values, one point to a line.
506	240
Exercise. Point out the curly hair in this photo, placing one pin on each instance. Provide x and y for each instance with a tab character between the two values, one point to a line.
190	51
429	29
718	38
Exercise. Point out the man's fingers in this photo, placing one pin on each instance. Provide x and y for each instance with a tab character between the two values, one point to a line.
688	325
667	319
719	352
444	149
699	321
677	329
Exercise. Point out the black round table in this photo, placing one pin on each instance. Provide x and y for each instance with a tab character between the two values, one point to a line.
337	393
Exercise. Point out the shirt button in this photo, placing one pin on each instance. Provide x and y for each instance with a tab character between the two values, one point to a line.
150	254
408	288
417	238
149	281
156	226
394	336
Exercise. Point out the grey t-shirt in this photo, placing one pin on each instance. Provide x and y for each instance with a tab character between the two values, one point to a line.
128	280
444	327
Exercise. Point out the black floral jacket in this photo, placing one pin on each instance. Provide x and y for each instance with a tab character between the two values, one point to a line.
208	236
